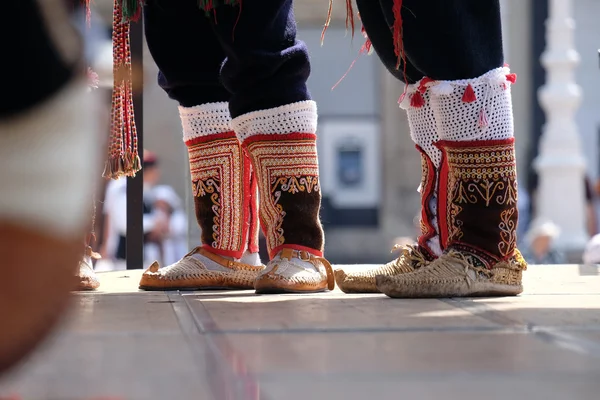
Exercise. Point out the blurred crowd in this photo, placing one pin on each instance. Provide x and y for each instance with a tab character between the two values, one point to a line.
164	221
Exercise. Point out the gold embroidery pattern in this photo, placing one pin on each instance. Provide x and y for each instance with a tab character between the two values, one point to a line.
216	168
508	233
283	166
482	178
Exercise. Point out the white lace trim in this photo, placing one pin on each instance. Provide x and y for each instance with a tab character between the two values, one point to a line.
204	120
298	117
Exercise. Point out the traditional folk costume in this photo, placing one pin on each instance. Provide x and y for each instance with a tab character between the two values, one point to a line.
458	100
249	124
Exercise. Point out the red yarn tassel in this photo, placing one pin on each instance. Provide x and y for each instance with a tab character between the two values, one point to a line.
416	100
123	146
512	78
397	29
423	84
469	95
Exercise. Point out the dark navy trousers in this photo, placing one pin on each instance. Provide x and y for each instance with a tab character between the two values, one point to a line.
443	39
249	57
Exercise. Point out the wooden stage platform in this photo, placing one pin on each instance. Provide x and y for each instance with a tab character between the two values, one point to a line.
219	345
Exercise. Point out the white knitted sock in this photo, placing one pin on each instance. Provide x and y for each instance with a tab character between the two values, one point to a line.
474	109
300	117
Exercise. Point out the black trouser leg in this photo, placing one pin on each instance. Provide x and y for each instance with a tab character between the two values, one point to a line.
266	66
186	51
443	39
378	31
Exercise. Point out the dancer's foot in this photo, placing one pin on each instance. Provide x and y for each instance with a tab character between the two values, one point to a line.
293	271
363	281
200	269
457	274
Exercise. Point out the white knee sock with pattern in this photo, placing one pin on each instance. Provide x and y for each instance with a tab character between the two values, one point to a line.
474	109
202	121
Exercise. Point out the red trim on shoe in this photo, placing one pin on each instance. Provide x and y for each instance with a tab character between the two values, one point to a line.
211	137
278	137
298	247
427	193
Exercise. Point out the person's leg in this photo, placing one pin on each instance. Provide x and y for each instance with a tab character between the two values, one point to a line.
423	131
273	115
47	133
189	58
457	44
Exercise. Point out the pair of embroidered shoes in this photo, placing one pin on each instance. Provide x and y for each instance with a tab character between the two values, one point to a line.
290	271
454	274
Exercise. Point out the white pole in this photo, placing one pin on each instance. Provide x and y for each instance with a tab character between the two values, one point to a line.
560	163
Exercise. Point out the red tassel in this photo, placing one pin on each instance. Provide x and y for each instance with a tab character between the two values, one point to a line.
512	78
469	95
424	82
416	100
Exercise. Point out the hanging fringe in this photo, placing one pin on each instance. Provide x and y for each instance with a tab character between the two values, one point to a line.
366	48
349	19
469	96
123	158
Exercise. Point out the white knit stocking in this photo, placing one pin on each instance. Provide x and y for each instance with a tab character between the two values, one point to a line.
474	109
300	117
205	120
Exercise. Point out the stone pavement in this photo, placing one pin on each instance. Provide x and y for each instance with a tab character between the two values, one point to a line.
544	344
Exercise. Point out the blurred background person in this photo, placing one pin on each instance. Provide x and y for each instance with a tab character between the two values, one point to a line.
173	243
591	254
156	222
539	244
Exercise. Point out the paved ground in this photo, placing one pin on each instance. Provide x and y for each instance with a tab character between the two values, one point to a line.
544	344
